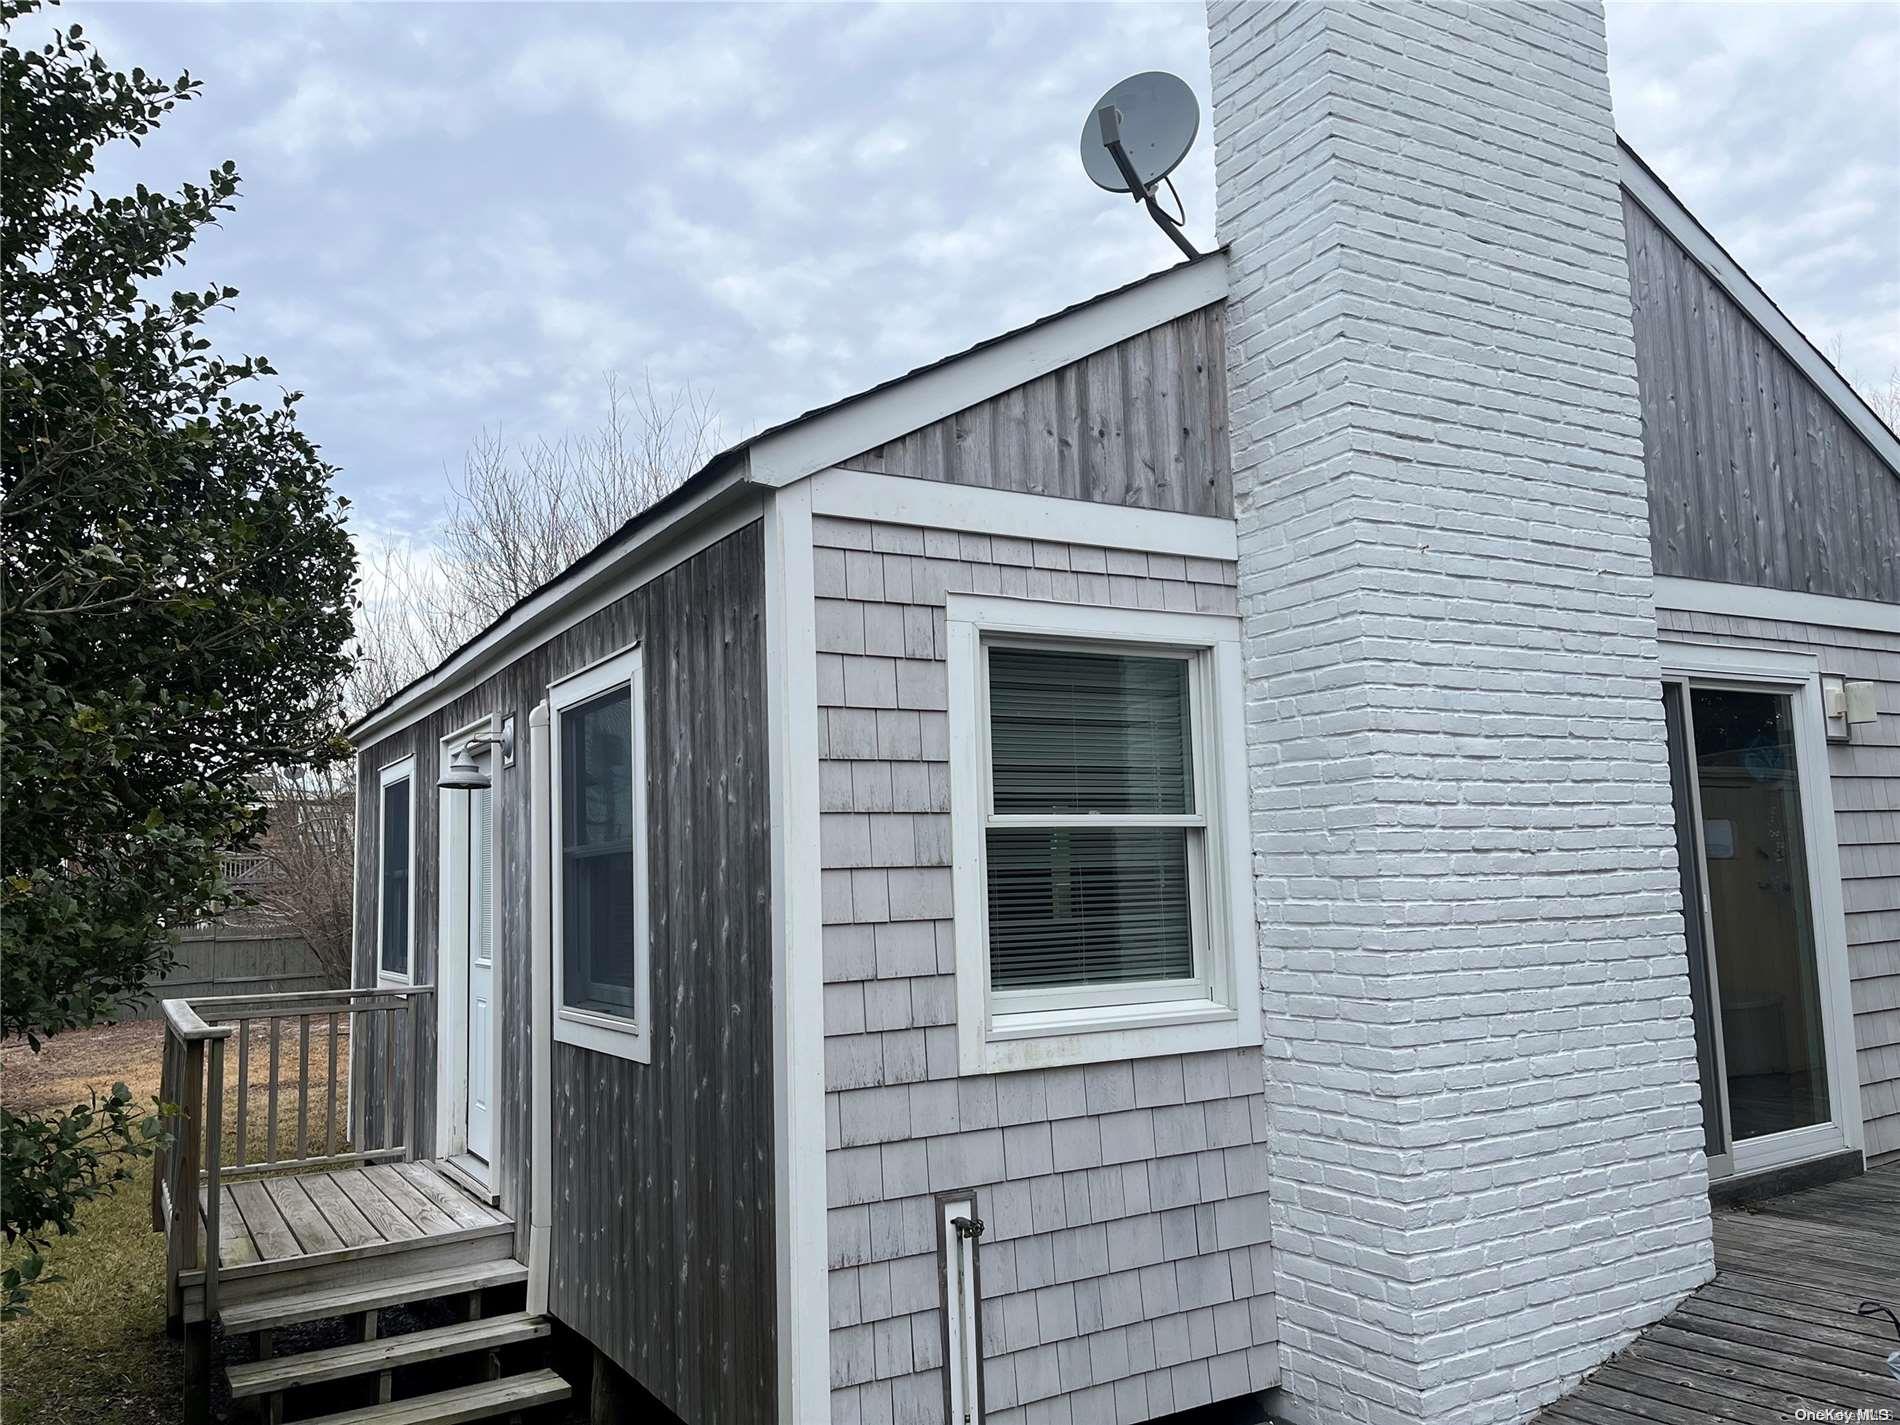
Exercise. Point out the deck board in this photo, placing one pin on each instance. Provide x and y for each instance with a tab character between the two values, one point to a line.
344	1217
314	1233
465	1211
383	1214
275	1241
1776	1331
425	1215
297	1216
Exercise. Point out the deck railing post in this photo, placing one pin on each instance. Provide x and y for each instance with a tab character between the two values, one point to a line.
185	1161
214	1160
161	1160
412	1079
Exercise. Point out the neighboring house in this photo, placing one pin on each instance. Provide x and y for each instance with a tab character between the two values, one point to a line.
1207	787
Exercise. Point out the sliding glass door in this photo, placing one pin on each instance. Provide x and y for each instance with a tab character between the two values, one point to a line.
1751	910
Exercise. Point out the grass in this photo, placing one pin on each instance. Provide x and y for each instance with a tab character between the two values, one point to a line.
94	1350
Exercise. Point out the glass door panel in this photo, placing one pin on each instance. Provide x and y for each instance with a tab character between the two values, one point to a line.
1689	868
1760	911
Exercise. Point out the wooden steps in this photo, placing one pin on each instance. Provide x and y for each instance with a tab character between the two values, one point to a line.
345	1246
468	1402
294	1307
387	1353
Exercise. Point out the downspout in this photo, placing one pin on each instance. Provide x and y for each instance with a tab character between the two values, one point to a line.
540	1015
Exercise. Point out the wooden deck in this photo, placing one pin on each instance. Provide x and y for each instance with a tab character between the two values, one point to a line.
294	1220
1776	1332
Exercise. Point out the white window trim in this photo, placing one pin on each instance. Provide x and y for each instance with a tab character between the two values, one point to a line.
1798	674
395	772
1223	1010
604	1033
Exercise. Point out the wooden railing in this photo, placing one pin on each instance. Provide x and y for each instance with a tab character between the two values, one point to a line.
296	1126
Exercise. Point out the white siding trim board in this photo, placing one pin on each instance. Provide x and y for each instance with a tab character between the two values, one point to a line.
901	500
1755	601
798	1004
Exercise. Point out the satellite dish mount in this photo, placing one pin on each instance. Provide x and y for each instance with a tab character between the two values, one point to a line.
1136	135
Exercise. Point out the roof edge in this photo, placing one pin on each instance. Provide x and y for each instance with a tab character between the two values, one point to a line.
1660	202
688	506
823	438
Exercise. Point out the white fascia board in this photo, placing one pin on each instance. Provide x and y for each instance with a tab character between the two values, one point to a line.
1703	596
810	445
725	506
1682	225
976	509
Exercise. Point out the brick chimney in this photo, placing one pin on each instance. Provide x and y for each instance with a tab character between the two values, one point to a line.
1485	1133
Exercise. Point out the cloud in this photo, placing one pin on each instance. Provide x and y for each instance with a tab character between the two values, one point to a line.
458	218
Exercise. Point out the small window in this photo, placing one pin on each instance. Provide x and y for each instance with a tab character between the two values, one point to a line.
1098	814
396	908
600	858
1095	842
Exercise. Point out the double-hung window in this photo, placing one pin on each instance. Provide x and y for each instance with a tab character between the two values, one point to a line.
395	901
1098	805
598	778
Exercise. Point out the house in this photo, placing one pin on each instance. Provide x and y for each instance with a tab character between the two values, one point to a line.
1279	829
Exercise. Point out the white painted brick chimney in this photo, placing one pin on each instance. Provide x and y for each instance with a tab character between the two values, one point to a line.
1485	1133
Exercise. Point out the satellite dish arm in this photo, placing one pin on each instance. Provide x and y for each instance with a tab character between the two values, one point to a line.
1109	118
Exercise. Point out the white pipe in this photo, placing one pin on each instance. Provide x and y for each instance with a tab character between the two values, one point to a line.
541	1013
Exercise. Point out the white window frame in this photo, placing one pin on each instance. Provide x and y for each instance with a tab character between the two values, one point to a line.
625	1038
1799	676
395	772
1219	1008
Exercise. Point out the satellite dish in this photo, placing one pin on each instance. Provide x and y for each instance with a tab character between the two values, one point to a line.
1136	135
1159	119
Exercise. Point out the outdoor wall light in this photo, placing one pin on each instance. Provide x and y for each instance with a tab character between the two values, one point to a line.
465	773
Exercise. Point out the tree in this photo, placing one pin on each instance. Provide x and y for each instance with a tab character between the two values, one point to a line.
176	586
308	882
521	514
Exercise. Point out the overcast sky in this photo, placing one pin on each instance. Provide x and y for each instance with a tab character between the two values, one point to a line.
459	216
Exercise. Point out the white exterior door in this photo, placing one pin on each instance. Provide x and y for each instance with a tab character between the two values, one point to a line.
479	1022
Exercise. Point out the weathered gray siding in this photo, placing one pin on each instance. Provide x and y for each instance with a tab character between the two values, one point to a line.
1126	1271
1866	782
1141	423
663	1250
1754	476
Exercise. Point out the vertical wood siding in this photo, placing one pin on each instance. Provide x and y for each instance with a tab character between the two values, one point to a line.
1754	476
663	1251
1865	775
1142	423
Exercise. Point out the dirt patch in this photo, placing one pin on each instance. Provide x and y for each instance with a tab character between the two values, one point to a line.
71	1066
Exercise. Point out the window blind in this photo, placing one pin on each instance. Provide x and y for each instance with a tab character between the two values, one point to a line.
597	902
1105	735
1077	906
1089	732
